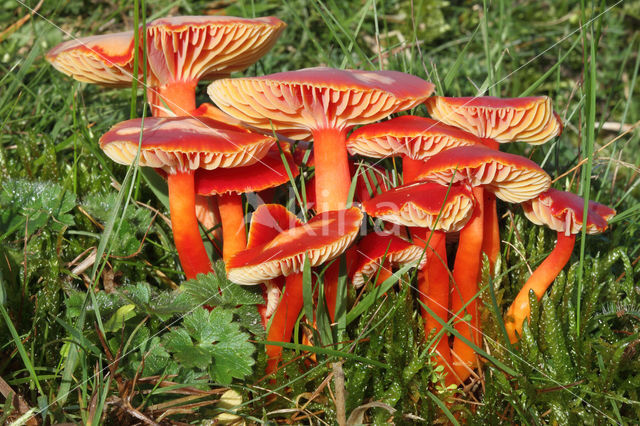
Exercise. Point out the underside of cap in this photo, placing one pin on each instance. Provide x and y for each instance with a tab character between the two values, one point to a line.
425	205
418	138
378	250
527	119
323	238
190	48
563	212
318	98
511	177
103	59
183	143
270	171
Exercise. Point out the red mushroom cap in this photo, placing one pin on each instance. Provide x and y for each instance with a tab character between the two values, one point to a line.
190	48
419	204
181	143
377	247
295	102
324	237
528	119
418	138
103	59
563	212
511	177
269	172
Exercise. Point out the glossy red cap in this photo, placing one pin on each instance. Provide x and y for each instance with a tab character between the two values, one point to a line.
511	177
323	238
563	212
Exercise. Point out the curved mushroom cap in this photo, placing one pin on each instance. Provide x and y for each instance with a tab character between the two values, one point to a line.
418	138
103	59
324	237
529	119
511	177
269	172
376	248
181	143
296	102
190	48
419	204
563	212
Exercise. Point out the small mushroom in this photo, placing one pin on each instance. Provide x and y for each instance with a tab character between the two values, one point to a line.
277	246
179	146
511	178
563	212
326	103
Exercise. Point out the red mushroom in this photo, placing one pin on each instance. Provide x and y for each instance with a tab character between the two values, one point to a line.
185	49
326	103
229	183
511	178
179	146
563	212
277	246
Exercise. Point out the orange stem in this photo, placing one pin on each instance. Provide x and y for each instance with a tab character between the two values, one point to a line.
284	319
331	169
178	97
466	272
539	281
186	234
491	239
234	237
384	274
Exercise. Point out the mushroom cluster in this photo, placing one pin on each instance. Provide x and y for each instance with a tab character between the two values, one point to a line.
452	171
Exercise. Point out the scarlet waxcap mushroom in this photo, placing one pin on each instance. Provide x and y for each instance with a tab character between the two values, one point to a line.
511	177
324	102
182	50
179	146
323	238
418	138
182	143
419	205
102	59
230	183
527	119
376	248
563	212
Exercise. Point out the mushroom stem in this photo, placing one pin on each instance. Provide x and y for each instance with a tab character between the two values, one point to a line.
539	281
331	169
384	274
186	234
491	239
284	319
178	97
234	237
410	169
466	272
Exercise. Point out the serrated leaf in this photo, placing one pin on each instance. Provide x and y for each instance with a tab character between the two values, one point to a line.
121	316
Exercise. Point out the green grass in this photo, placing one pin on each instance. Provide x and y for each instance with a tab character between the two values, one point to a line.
62	199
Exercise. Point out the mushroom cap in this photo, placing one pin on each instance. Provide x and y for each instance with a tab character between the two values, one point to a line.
529	119
375	248
563	212
420	203
324	237
296	102
190	48
102	59
418	138
182	143
269	172
511	177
